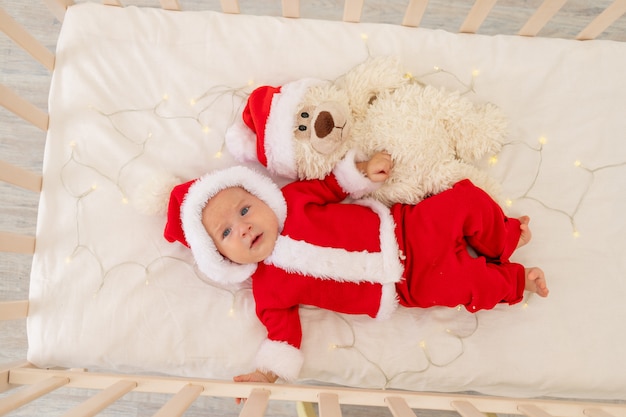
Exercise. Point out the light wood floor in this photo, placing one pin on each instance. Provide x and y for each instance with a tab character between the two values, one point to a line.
22	145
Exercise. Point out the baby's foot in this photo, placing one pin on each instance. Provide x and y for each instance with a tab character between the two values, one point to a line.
525	236
536	281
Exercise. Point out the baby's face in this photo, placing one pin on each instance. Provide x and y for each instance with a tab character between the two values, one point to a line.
242	226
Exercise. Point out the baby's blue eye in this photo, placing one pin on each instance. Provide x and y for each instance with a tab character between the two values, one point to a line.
244	211
226	233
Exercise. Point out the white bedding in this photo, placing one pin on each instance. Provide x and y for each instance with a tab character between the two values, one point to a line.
139	95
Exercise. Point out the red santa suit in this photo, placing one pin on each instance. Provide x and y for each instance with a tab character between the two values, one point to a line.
361	258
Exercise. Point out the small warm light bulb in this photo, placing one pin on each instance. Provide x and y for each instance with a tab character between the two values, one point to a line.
493	160
475	73
124	200
231	312
423	344
68	259
149	135
508	202
94	186
576	234
436	68
577	163
218	155
205	129
250	82
192	102
332	346
543	140
408	76
166	96
364	36
147	282
525	305
72	144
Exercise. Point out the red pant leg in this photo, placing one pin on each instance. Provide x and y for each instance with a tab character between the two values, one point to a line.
438	268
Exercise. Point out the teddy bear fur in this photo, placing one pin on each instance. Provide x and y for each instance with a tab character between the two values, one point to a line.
435	137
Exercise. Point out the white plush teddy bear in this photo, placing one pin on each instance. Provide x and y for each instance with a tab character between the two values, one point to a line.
302	129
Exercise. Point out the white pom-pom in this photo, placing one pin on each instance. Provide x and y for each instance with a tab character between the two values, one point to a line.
152	197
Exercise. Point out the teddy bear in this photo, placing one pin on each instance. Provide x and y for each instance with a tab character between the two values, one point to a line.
435	137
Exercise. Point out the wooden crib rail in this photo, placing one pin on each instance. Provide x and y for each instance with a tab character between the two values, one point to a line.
31	383
25	40
414	12
12	310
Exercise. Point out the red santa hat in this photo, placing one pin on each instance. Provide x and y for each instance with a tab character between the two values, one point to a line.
184	218
265	131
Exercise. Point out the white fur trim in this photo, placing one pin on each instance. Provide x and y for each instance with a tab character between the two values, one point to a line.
281	358
329	263
388	302
279	128
209	260
351	179
241	141
388	244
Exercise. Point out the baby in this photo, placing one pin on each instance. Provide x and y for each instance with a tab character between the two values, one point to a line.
304	245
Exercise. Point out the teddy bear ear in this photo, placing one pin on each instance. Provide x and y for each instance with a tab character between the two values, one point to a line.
241	142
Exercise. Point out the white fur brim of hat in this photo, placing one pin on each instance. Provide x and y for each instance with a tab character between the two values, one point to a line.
209	260
279	130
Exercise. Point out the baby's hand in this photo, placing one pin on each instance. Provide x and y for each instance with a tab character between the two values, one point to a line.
256	376
378	168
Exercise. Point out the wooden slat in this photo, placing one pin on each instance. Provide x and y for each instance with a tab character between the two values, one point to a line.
603	21
542	15
352	10
180	402
399	407
30	393
170	5
291	8
25	40
20	177
117	3
329	405
12	310
14	243
466	409
230	6
102	400
414	13
256	403
596	412
23	108
477	15
5	370
531	410
58	7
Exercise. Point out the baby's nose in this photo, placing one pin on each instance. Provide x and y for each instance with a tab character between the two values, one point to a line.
245	228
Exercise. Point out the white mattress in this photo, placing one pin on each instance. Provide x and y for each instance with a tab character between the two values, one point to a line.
139	95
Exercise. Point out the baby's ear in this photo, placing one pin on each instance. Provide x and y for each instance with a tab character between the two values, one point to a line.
152	196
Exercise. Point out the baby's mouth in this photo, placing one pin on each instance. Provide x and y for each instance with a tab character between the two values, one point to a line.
256	240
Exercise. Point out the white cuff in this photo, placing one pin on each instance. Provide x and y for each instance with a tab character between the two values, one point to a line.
281	358
353	181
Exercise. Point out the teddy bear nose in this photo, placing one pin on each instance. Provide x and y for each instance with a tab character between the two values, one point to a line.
324	124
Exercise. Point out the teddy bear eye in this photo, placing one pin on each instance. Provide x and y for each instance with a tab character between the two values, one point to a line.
302	128
304	115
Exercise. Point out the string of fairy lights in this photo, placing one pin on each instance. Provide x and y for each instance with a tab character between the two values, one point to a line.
202	105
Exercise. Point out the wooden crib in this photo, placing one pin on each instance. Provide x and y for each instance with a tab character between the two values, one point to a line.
23	383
